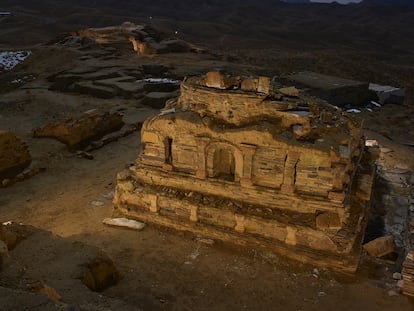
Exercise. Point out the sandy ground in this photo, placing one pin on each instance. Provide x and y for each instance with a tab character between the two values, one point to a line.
163	270
160	269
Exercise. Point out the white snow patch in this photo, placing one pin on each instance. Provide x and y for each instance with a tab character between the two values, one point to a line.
160	80
382	88
353	111
375	103
9	60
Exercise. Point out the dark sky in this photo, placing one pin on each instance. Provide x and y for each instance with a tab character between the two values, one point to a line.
339	1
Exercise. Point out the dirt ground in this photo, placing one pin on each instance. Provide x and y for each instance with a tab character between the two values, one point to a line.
160	269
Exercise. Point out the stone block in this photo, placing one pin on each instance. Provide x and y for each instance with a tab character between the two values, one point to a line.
380	247
218	80
328	220
263	85
338	196
249	85
290	91
291	236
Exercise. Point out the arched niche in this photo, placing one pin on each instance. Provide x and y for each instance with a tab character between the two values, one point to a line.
224	161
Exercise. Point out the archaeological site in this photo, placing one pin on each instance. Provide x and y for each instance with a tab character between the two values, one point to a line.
240	160
206	155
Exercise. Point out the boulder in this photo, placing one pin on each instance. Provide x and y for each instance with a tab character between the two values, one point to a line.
388	94
14	155
8	237
380	247
77	133
99	273
289	91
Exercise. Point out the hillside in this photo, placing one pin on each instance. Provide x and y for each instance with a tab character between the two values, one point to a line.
365	42
61	77
406	3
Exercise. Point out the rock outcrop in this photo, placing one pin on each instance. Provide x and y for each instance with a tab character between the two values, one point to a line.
77	133
14	155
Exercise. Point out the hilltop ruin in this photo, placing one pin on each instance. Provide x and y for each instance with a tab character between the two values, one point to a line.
239	160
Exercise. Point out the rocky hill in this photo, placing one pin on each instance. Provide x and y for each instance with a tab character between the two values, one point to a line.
406	3
329	38
222	23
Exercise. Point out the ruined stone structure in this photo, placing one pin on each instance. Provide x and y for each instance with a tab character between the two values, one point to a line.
145	40
236	160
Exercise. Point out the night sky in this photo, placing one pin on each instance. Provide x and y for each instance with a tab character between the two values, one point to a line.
339	1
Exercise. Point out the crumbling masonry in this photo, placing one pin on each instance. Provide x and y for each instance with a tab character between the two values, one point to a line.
241	161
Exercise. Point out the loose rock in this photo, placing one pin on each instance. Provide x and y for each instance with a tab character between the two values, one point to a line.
289	91
78	132
396	276
380	247
124	222
99	274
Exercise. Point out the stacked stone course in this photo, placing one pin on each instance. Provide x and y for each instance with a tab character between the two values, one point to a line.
238	160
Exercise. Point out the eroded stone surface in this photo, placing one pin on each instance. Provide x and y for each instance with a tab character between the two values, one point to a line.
14	155
236	162
79	132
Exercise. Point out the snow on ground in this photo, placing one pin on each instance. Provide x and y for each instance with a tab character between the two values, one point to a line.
160	80
9	60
